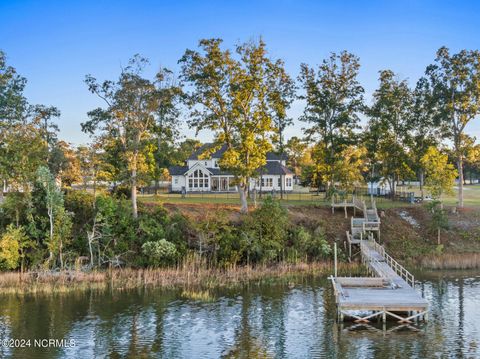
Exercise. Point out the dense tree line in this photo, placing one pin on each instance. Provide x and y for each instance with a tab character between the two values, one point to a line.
241	96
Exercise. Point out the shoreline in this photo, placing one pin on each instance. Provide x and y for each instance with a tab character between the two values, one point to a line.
202	277
182	277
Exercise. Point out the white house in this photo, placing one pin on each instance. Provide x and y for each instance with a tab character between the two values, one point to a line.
379	188
205	175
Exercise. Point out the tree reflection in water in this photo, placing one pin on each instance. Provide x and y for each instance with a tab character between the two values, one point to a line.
291	320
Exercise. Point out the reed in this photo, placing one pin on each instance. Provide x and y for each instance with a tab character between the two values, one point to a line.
189	274
198	295
451	261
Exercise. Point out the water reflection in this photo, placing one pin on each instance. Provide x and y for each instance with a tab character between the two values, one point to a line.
278	321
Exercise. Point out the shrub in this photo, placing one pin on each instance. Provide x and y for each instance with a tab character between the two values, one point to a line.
150	229
160	252
439	219
265	231
314	246
15	209
178	230
10	247
81	204
122	191
219	239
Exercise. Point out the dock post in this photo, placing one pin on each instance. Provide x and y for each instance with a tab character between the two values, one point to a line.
384	316
335	257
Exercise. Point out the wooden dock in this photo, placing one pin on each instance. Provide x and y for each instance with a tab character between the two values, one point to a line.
388	293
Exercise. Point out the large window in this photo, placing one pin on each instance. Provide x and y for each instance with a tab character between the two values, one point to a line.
267	182
289	182
198	180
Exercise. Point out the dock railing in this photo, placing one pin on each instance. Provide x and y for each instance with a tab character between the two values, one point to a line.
396	267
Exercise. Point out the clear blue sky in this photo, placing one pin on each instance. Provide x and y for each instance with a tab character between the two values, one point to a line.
56	43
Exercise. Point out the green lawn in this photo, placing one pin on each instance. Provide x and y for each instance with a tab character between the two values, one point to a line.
471	195
233	198
471	198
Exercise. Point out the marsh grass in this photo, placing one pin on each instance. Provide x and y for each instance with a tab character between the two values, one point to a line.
193	274
198	295
451	261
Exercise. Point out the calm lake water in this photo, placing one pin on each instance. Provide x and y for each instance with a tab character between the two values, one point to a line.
294	320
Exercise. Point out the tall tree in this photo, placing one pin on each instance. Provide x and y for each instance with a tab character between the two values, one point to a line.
42	117
440	175
281	94
12	108
426	127
455	81
12	100
389	126
334	99
134	105
55	209
296	150
166	129
183	150
472	158
440	178
25	131
64	163
231	96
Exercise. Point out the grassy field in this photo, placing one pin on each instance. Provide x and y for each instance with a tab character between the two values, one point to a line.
306	199
471	198
471	195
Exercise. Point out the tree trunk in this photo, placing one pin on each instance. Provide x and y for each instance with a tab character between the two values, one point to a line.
134	194
281	186
242	190
421	179
60	250
438	236
460	181
95	188
391	184
261	185
90	240
50	253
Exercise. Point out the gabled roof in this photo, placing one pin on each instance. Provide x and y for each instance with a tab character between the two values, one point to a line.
271	168
197	166
177	170
274	168
217	171
271	156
